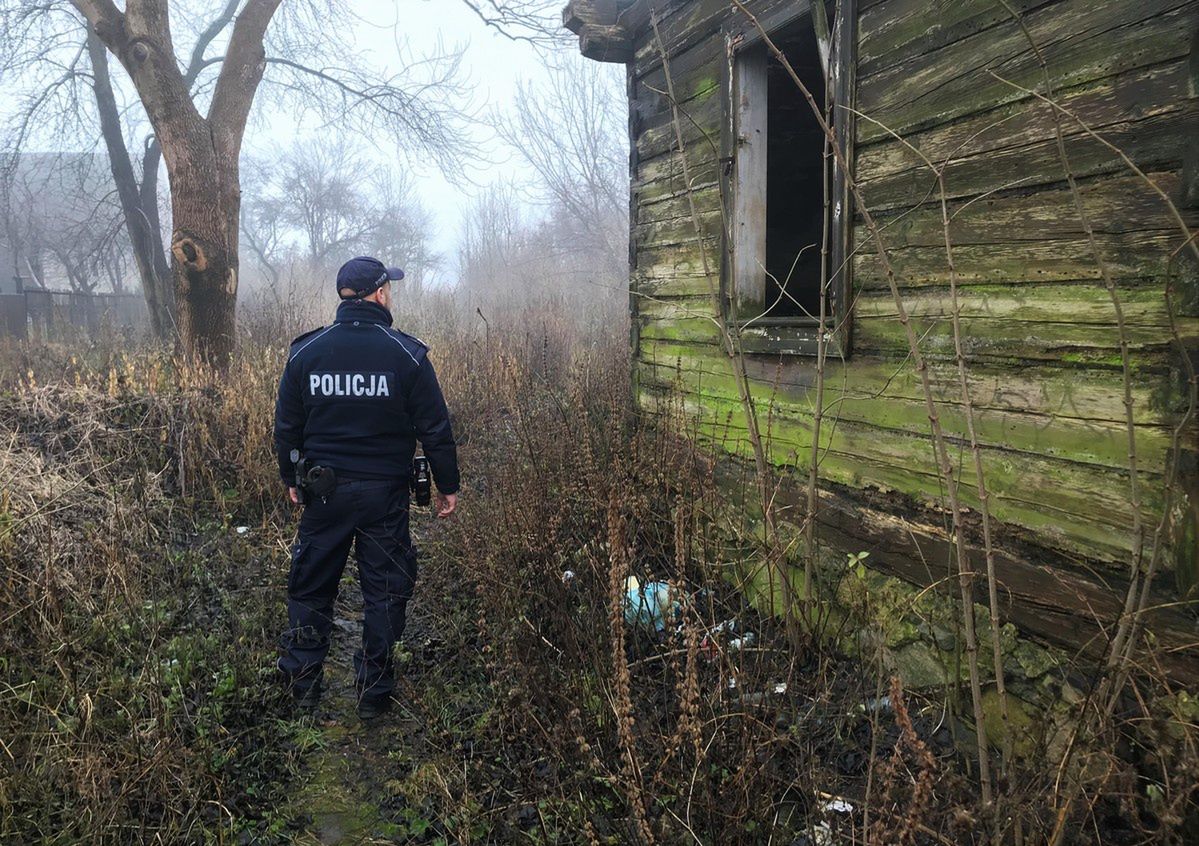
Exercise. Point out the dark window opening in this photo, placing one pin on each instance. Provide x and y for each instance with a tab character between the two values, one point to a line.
773	183
795	162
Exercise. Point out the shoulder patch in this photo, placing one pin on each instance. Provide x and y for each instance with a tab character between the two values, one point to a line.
308	334
413	338
410	345
304	341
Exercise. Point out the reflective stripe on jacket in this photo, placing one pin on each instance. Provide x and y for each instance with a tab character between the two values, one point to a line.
357	395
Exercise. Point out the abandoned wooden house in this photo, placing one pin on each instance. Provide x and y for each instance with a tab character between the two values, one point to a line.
731	229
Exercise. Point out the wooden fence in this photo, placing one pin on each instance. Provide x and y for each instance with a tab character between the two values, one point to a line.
49	314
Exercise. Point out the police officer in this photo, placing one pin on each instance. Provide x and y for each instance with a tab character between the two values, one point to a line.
355	397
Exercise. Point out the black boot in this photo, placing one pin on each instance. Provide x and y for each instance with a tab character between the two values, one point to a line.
370	707
306	700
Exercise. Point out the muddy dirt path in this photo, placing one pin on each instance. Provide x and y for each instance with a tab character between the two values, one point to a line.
379	781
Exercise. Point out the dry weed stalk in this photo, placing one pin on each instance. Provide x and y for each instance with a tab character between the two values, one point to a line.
622	698
944	464
972	433
920	796
1161	534
824	42
688	730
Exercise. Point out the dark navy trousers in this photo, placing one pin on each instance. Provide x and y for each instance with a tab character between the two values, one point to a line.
373	516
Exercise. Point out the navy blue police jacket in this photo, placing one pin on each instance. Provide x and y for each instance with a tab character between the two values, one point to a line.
357	395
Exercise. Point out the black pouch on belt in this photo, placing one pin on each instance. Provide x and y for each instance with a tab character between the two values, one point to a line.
320	481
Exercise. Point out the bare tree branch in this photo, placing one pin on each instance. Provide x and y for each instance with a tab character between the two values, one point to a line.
533	21
197	63
145	234
241	72
103	15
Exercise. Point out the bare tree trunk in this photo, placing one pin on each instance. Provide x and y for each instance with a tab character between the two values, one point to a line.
205	205
204	254
149	205
141	222
201	153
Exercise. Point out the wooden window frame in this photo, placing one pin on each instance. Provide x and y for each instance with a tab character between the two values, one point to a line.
743	289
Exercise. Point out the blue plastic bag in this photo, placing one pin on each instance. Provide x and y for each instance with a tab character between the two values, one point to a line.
648	604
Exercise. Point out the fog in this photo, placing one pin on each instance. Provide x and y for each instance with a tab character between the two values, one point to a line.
503	179
493	67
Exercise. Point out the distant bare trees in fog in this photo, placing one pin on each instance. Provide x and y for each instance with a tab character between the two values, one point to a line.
140	77
192	72
319	203
61	225
565	236
571	131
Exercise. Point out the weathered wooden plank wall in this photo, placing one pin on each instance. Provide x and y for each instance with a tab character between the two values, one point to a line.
1040	329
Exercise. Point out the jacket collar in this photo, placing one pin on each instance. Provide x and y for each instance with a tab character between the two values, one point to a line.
362	311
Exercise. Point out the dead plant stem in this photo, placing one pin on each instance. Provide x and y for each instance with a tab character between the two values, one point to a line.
975	448
732	346
824	40
945	466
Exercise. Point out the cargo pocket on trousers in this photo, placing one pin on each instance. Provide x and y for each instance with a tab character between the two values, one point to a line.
299	552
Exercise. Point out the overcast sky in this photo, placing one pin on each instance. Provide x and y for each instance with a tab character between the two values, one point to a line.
492	62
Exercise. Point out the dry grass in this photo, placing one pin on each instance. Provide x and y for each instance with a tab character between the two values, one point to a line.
136	702
134	619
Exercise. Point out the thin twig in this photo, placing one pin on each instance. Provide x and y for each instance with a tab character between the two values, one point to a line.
944	465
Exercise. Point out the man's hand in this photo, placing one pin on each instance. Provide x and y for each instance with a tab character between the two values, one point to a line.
294	495
446	503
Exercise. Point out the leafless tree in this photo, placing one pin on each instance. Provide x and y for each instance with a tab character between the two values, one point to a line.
491	236
536	21
402	230
320	196
510	261
320	202
60	210
570	130
264	227
138	193
571	245
196	96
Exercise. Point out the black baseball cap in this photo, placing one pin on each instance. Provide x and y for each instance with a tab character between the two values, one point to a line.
363	276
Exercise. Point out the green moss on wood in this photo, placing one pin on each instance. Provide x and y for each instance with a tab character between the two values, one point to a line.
1068	505
891	399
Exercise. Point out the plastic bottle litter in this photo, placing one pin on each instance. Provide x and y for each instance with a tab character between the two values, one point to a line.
759	697
648	604
838	806
744	642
